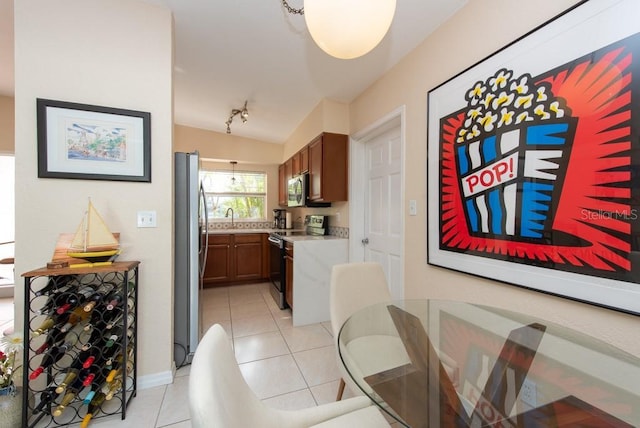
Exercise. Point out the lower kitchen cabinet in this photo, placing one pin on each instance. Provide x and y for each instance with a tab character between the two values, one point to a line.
248	256
311	276
238	257
288	295
218	267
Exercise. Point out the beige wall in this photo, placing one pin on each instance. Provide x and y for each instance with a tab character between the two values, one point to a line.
225	147
218	149
451	49
327	116
127	64
7	129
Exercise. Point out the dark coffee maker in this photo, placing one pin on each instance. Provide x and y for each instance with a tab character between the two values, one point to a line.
279	219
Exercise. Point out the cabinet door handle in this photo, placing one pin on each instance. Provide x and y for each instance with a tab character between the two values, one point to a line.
365	241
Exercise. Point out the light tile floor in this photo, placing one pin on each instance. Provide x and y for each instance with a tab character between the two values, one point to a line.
287	367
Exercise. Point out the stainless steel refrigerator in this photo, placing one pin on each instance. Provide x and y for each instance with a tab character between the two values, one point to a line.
190	255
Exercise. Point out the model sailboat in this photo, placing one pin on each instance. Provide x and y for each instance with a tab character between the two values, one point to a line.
91	245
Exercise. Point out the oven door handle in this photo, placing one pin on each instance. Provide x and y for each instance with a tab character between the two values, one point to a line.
275	241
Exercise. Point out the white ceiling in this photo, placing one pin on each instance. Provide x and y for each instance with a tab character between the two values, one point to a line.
229	51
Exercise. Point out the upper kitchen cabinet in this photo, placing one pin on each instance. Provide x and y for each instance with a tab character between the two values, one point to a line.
282	185
301	161
328	168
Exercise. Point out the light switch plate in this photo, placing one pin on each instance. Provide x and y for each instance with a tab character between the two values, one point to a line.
413	207
147	219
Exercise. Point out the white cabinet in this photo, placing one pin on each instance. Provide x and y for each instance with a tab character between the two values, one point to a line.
312	265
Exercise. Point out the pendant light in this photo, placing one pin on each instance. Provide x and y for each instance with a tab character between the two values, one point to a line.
233	171
347	29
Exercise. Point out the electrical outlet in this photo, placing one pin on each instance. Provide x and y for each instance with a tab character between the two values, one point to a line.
528	393
147	219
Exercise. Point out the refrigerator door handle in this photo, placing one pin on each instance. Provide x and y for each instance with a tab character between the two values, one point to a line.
205	250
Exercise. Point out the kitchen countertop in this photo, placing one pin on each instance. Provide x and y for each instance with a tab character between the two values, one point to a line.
286	238
227	231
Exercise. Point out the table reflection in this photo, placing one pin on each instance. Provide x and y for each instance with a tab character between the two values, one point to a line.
459	364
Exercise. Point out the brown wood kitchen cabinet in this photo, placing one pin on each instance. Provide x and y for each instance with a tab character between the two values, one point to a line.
326	160
328	168
282	185
288	295
218	267
235	257
248	255
300	161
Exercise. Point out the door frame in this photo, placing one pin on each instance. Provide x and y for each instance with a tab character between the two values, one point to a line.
357	144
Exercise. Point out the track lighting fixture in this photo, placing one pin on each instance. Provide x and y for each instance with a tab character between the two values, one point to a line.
244	115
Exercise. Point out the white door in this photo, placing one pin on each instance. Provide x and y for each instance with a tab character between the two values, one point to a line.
383	205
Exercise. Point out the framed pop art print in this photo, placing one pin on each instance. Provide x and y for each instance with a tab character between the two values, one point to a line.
534	160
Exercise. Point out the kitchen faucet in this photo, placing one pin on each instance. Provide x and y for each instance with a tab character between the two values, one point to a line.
227	215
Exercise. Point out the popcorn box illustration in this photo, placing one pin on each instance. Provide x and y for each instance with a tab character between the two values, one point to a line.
511	156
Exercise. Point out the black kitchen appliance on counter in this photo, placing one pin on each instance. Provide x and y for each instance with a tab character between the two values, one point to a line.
315	225
279	218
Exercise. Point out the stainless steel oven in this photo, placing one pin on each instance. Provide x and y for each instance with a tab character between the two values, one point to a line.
277	270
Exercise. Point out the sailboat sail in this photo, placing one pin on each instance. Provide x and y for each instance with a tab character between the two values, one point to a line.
92	234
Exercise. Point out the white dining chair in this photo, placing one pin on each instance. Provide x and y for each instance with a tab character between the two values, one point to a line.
354	286
220	397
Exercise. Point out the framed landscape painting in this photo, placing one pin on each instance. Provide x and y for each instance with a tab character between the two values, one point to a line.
534	160
93	142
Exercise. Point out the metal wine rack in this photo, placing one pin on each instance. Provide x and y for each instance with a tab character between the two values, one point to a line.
120	276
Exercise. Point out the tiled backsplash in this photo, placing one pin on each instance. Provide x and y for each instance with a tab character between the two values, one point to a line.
342	232
241	225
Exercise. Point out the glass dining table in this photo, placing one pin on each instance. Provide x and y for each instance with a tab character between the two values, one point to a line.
435	363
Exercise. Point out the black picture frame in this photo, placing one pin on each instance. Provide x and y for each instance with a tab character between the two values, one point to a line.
89	142
544	211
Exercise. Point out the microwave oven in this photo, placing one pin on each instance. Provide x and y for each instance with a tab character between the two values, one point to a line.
298	193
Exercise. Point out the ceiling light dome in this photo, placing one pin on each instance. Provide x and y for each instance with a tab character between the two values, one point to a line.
348	29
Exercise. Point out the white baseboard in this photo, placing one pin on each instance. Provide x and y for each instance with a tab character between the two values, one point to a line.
156	379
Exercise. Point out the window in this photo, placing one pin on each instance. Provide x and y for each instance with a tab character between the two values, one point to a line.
7	220
243	191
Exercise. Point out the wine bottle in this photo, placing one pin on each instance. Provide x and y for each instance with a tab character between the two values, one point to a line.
54	337
117	371
75	334
50	305
112	388
78	315
98	296
90	356
47	396
68	397
114	300
118	319
115	334
110	354
98	316
93	408
72	299
73	372
118	294
51	321
95	380
54	284
95	339
50	358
